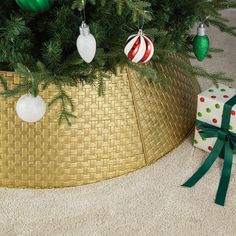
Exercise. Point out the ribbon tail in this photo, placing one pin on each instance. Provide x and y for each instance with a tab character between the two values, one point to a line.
225	176
206	165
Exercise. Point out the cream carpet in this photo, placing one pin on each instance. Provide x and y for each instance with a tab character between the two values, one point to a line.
147	202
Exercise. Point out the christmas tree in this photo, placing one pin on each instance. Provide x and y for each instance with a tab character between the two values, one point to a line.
39	41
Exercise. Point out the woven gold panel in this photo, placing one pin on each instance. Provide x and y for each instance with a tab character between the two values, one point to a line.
134	124
165	118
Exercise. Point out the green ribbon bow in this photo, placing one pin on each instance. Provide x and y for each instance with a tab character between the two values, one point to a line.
225	147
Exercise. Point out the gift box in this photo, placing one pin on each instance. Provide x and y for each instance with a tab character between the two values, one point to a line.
216	133
210	110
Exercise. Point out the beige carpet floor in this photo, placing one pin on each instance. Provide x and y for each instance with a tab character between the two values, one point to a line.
147	202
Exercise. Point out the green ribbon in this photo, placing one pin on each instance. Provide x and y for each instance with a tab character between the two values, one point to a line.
225	146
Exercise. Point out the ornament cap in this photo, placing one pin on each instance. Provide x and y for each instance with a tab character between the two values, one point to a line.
201	30
140	32
84	29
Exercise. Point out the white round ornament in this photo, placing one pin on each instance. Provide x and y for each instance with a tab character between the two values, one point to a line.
86	43
30	108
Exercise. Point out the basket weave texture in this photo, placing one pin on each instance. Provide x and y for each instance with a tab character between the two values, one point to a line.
133	125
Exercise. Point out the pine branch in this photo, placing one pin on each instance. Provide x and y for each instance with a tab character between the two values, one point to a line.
137	7
216	50
101	87
12	28
3	83
222	26
52	54
191	70
80	4
67	106
18	89
152	72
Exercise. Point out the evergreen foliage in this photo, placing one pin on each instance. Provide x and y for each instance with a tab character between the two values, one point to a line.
41	47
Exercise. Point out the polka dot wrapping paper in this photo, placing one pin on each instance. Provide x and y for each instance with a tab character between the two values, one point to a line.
210	110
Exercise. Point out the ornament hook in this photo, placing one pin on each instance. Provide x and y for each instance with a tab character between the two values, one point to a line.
84	13
143	22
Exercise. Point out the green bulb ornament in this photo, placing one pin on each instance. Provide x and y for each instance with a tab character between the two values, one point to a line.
201	43
37	6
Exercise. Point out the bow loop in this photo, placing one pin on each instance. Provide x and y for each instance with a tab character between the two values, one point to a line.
210	131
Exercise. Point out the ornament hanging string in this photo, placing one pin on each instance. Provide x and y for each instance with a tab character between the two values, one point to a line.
143	21
83	11
206	19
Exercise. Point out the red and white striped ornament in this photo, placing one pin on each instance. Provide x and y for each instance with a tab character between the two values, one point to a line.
139	48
